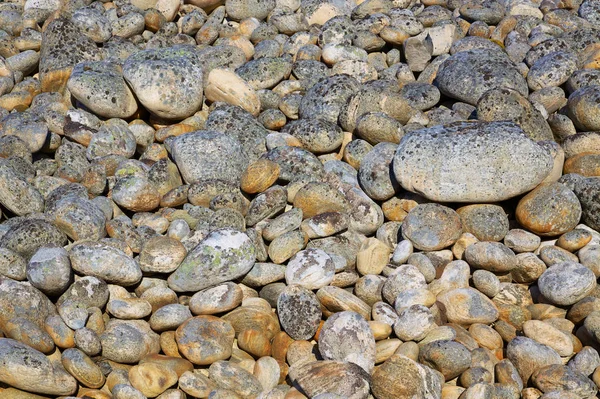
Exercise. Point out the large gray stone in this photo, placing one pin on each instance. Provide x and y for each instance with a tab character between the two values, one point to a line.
208	154
466	75
167	81
470	162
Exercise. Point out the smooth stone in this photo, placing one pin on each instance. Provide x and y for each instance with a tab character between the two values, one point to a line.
480	70
56	65
231	376
503	104
336	343
18	196
311	268
550	209
167	81
548	335
26	236
528	356
428	157
218	299
128	341
205	339
105	262
161	255
431	227
491	256
450	358
566	283
344	379
101	88
49	270
222	256
402	378
485	222
42	375
467	306
559	378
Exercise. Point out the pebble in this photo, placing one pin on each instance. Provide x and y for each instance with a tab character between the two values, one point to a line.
485	222
566	283
205	351
467	306
181	66
549	210
299	312
223	255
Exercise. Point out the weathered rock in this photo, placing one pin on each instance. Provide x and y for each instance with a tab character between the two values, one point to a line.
470	162
222	256
167	81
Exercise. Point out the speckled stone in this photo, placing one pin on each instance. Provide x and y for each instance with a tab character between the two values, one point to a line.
16	194
549	210
128	341
566	283
26	236
106	262
503	104
491	256
485	222
375	175
49	270
432	227
101	88
43	376
167	81
316	135
528	356
311	268
222	256
63	46
480	70
552	69
457	155
208	155
299	312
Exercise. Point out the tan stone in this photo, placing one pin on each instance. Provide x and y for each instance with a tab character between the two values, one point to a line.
226	86
152	379
548	335
259	176
254	342
372	257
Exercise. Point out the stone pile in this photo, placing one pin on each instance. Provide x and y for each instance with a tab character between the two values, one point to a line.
286	199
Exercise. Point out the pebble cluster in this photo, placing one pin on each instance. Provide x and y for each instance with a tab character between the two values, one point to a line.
286	199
